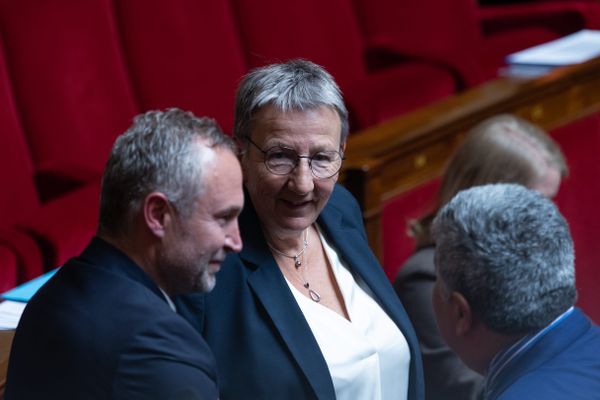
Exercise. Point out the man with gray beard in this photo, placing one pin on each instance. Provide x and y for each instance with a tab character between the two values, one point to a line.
105	326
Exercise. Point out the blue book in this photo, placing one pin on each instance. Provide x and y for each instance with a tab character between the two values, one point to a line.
26	291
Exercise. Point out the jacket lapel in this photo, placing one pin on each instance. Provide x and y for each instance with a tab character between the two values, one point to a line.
271	290
269	286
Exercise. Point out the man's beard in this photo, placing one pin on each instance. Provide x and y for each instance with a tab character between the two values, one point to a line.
205	281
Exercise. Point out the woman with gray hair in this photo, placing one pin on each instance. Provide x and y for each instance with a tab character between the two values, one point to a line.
305	311
504	148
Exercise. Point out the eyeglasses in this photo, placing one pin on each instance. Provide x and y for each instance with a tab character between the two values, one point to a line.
282	160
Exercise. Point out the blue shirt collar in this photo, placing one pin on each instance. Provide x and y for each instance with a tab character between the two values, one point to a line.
514	351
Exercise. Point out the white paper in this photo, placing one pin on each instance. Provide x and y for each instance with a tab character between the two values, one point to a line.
572	49
10	313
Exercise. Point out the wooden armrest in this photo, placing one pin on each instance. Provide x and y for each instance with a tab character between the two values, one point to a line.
394	157
6	338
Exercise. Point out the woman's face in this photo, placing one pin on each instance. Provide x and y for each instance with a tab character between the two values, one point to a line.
287	204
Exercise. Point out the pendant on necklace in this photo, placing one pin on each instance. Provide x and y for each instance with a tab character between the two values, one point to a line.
314	296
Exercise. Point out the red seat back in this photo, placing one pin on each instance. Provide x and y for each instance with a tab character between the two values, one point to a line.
182	53
325	32
8	269
395	216
578	200
328	33
439	30
69	80
512	27
16	169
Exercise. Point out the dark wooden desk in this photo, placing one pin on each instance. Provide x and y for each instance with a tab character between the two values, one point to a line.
394	157
6	338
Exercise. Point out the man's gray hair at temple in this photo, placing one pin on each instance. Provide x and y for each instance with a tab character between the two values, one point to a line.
509	252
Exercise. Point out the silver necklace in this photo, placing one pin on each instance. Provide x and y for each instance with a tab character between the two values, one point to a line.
296	258
314	296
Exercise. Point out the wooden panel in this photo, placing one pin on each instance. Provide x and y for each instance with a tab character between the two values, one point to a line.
6	338
402	153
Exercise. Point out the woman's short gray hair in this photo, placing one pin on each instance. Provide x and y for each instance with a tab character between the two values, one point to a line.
159	152
293	85
509	252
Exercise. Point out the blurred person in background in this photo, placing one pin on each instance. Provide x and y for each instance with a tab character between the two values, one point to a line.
504	148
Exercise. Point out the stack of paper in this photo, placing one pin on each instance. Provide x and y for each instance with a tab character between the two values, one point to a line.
10	313
569	50
16	299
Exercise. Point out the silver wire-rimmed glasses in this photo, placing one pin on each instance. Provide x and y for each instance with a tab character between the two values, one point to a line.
281	160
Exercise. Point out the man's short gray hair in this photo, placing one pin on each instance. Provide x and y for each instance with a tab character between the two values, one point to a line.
509	252
159	152
293	85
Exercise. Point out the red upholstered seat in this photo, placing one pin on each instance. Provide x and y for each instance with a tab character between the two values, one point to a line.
65	225
474	41
510	28
502	44
29	261
70	83
26	222
182	53
395	91
327	33
441	31
560	16
17	173
8	269
578	200
19	200
396	213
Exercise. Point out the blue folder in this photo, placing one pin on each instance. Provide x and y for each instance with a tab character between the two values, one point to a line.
26	291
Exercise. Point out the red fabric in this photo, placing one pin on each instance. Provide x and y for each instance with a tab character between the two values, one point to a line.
510	28
395	91
63	227
473	41
561	17
578	200
8	269
183	53
16	173
501	44
439	30
395	216
63	223
69	79
26	251
20	258
327	33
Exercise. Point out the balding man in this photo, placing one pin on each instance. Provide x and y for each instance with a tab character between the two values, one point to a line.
105	327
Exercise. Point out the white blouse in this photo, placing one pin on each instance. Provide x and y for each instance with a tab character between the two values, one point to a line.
368	356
